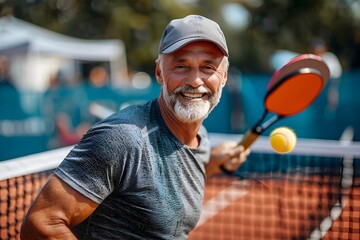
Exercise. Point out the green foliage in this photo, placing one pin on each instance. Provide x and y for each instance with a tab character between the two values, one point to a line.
275	24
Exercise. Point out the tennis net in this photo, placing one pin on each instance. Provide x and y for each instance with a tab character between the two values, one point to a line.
312	193
20	181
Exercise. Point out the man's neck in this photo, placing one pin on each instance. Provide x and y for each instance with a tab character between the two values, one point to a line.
185	132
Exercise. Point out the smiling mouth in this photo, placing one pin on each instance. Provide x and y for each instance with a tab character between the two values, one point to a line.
189	95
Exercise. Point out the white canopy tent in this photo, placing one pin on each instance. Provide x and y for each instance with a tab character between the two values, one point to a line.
36	53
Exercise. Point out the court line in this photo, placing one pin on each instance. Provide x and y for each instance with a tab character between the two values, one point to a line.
226	197
346	183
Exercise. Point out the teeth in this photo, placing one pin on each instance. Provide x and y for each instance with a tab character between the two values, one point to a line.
193	95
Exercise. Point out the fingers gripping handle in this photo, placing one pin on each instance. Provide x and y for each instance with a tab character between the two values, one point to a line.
249	138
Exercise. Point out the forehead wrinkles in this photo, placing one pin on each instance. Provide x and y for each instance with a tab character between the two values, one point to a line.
192	59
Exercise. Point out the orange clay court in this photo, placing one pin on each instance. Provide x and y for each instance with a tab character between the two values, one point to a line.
275	209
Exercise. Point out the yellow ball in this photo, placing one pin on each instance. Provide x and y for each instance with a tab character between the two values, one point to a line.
282	140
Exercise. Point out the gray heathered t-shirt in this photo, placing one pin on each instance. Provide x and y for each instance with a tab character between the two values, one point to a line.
149	184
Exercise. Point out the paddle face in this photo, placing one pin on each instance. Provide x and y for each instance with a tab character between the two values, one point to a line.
299	62
294	93
296	85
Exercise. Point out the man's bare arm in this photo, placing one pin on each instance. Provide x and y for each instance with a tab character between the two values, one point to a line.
57	208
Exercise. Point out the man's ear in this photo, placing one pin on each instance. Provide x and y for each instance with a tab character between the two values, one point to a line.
158	74
225	78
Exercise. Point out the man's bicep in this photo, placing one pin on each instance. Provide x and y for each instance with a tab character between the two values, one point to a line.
59	204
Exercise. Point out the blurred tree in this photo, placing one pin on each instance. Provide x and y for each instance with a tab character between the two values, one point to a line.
273	24
292	25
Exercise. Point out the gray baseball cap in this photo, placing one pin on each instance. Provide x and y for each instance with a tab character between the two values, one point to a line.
180	32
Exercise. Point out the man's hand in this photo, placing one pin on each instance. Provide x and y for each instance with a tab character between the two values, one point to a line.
229	154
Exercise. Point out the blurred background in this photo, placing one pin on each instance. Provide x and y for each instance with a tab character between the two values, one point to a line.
62	61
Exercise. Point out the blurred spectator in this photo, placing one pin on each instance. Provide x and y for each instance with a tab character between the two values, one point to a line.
234	89
65	104
5	80
98	88
98	76
67	134
10	98
319	47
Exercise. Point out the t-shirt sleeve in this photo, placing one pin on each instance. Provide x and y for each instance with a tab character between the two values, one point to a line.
205	146
95	166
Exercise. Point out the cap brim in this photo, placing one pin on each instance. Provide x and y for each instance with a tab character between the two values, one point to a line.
179	44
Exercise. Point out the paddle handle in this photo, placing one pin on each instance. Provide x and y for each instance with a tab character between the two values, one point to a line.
249	138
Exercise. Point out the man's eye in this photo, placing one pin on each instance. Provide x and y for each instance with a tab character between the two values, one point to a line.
181	67
209	68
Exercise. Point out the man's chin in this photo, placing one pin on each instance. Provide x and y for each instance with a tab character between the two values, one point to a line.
194	114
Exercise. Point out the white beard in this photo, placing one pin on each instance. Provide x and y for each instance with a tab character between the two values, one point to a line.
190	112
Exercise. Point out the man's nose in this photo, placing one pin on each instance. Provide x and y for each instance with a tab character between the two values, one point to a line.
195	79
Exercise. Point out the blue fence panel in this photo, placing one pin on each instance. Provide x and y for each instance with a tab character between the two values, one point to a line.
28	121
